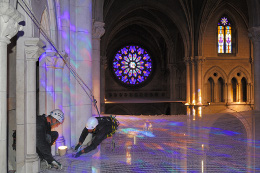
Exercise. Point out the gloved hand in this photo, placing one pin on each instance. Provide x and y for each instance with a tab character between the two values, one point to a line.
56	164
78	153
77	147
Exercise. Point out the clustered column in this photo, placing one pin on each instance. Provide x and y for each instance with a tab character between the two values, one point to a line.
187	62
255	36
9	19
58	66
200	61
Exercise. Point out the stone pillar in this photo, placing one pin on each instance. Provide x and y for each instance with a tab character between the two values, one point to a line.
50	93
200	61
28	52
97	32
255	37
59	66
42	84
229	94
65	44
102	83
248	99
81	61
187	62
9	19
32	52
240	92
193	79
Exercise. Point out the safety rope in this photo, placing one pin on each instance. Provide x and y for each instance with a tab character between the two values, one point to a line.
81	82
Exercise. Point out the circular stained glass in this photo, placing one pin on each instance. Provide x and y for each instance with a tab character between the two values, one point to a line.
132	65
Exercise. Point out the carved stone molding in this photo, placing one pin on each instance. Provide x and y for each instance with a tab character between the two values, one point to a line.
254	34
187	60
9	22
200	59
98	29
59	64
33	49
192	60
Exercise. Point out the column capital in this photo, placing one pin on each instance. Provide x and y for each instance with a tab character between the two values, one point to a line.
9	22
199	59
33	48
187	60
98	29
59	64
254	34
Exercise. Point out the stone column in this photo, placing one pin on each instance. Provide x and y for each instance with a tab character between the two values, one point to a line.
28	52
240	91
229	94
200	61
33	50
193	85
81	61
187	62
65	46
9	19
59	66
248	99
42	84
255	37
50	92
102	83
97	32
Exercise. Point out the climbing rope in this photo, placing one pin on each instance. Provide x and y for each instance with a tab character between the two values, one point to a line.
81	82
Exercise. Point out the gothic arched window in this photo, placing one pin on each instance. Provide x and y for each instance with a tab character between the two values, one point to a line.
224	36
210	88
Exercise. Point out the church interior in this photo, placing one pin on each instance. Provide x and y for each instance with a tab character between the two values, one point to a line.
182	76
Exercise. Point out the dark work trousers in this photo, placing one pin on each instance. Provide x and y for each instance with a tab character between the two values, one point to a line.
98	137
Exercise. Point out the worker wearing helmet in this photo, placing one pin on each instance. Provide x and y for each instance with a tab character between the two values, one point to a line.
100	127
45	138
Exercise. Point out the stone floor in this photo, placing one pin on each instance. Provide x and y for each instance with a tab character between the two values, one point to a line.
216	143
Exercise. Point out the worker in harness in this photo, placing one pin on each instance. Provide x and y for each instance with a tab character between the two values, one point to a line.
45	138
101	128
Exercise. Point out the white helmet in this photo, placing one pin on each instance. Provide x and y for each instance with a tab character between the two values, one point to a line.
58	115
91	123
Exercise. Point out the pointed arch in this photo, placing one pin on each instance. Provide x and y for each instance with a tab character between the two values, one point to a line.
210	90
224	8
215	72
239	72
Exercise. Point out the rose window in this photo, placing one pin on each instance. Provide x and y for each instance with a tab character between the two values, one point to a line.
132	65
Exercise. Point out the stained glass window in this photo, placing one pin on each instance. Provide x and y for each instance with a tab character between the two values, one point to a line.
224	36
132	65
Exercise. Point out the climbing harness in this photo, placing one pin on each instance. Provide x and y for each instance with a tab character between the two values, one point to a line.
115	124
83	85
